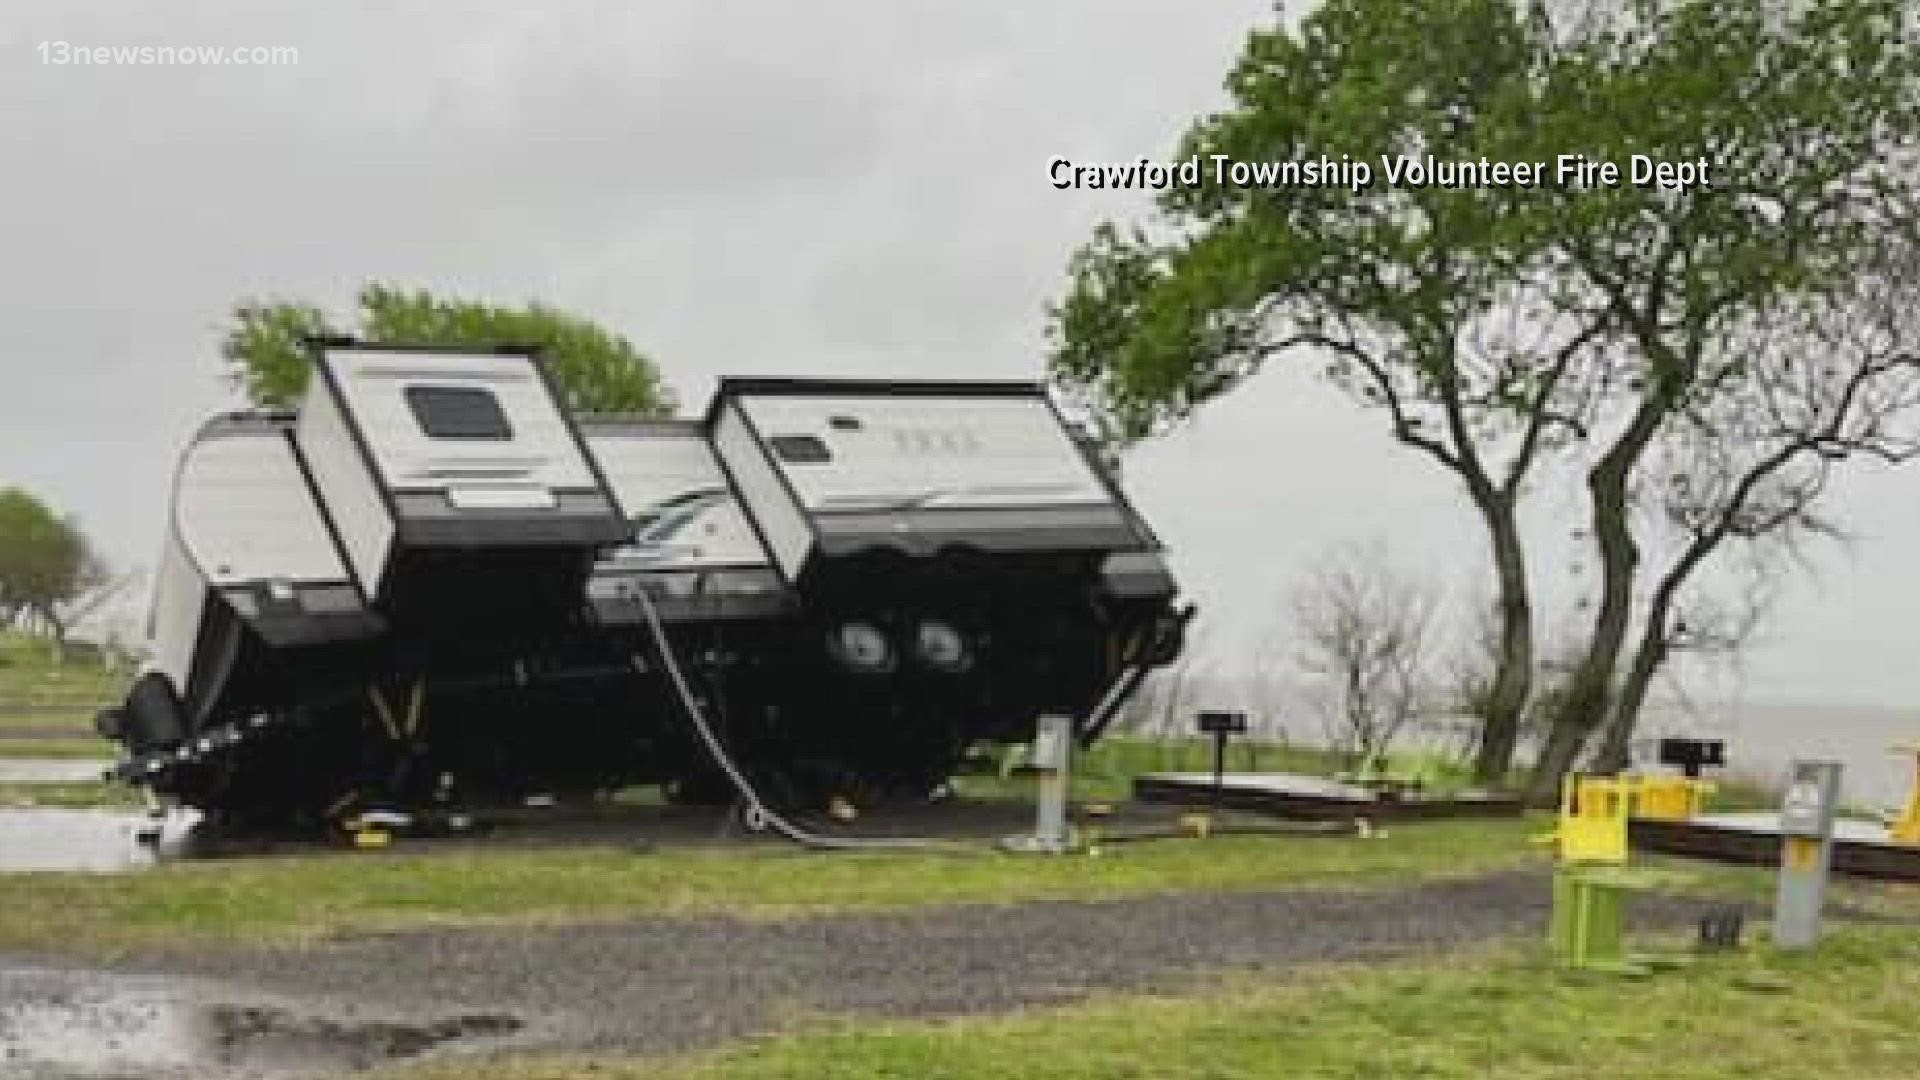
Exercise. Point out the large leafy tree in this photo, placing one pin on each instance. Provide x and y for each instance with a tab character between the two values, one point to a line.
1431	306
47	566
1496	326
598	370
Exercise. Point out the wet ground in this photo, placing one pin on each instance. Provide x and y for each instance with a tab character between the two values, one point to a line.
64	1025
27	770
663	984
100	841
34	838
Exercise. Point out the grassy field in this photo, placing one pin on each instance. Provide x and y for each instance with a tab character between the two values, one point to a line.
70	796
46	708
1107	770
306	897
1845	1010
69	740
303	897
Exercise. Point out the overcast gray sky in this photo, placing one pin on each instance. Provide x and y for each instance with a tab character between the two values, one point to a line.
855	187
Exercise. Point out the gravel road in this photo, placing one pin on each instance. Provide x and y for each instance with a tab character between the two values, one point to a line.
667	984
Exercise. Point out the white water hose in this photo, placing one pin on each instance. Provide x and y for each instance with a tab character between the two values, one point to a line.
758	813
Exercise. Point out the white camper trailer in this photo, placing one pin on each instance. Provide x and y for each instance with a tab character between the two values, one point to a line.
432	582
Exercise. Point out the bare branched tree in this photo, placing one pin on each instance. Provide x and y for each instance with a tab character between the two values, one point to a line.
1363	630
1818	382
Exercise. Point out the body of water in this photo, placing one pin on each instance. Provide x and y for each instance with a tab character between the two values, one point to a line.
1763	739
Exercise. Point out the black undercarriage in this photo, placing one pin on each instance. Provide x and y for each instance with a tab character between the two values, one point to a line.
492	683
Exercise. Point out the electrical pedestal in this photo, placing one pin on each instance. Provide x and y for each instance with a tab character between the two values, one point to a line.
1806	830
1051	761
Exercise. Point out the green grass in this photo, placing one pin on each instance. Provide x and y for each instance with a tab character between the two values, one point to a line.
1106	771
30	676
1757	884
1843	1011
47	708
69	796
59	748
60	699
305	897
59	724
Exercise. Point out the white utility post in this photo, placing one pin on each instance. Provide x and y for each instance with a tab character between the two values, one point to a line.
1051	759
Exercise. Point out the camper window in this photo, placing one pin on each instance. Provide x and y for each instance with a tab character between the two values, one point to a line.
458	412
800	449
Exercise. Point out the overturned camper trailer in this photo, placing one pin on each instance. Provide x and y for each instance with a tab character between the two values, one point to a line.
431	583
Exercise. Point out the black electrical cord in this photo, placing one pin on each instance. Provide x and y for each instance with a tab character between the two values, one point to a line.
759	814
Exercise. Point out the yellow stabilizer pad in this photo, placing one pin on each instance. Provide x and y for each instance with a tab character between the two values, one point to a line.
1593	819
1671	798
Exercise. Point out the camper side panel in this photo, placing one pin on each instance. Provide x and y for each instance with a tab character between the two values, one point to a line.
691	550
876	452
247	515
504	431
764	497
179	603
471	450
925	468
348	489
670	488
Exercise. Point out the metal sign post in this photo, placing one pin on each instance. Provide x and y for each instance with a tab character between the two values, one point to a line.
1806	831
1692	756
1222	726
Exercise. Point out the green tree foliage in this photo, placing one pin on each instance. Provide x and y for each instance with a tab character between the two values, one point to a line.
1497	326
265	349
599	371
46	563
1408	296
1807	114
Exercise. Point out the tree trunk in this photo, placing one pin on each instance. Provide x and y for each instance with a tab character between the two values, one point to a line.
1652	651
1585	704
1512	682
1618	739
1654	641
1564	742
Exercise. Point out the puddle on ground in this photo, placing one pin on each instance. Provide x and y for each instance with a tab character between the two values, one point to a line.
99	841
64	1025
52	770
